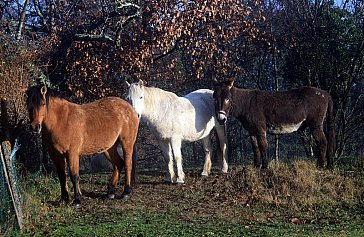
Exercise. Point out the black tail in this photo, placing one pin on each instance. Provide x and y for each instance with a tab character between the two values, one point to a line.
330	135
134	173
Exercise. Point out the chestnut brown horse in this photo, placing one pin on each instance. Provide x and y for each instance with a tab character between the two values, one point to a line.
71	130
278	113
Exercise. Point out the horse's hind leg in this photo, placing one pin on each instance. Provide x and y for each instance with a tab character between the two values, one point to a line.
320	144
113	156
73	162
176	149
220	130
208	151
168	156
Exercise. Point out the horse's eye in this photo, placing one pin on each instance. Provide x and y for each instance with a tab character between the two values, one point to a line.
227	100
141	97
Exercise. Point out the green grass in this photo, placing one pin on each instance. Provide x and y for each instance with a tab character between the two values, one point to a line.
217	206
144	223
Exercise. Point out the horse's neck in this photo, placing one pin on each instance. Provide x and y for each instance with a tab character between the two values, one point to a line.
57	112
241	99
155	99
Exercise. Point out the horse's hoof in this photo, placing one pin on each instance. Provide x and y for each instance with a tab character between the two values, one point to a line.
77	205
64	202
224	174
111	196
125	197
204	174
180	181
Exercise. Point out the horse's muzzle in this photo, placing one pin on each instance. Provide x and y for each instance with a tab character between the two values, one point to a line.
37	128
221	117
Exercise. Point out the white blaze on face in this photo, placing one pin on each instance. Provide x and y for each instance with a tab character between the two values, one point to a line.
138	105
136	97
285	128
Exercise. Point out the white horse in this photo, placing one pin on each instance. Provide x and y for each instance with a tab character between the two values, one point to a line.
173	119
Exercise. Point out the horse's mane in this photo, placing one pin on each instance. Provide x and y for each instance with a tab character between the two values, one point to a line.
156	93
34	96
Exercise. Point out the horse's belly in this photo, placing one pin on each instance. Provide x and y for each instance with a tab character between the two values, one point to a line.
197	132
283	128
187	130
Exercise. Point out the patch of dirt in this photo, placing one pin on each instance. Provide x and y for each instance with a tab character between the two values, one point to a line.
296	186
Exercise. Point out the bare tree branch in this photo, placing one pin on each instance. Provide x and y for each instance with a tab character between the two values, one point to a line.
167	53
22	20
39	12
100	38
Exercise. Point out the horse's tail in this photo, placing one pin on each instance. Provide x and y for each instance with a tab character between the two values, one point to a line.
330	135
134	174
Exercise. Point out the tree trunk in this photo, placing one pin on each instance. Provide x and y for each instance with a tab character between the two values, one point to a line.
5	120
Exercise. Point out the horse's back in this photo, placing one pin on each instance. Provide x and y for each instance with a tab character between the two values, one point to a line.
202	100
283	108
203	111
189	118
105	120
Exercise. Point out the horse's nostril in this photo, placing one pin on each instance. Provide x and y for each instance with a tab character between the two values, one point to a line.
222	121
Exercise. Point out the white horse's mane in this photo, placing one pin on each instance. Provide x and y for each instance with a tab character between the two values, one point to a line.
156	95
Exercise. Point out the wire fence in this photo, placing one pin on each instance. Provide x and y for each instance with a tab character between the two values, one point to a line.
11	217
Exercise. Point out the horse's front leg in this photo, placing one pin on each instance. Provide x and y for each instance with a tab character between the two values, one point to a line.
168	156
263	147
60	163
176	149
73	162
222	139
256	151
208	150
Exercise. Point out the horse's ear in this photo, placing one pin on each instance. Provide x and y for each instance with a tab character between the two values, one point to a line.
215	83
230	83
142	83
43	91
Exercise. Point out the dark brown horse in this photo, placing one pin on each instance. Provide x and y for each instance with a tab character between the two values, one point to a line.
278	113
71	130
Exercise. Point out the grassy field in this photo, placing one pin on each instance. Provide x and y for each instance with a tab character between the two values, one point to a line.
286	200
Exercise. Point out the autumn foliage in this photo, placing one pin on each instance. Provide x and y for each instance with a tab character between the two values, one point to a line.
156	40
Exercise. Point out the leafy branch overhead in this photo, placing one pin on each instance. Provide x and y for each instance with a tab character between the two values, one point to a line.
89	47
